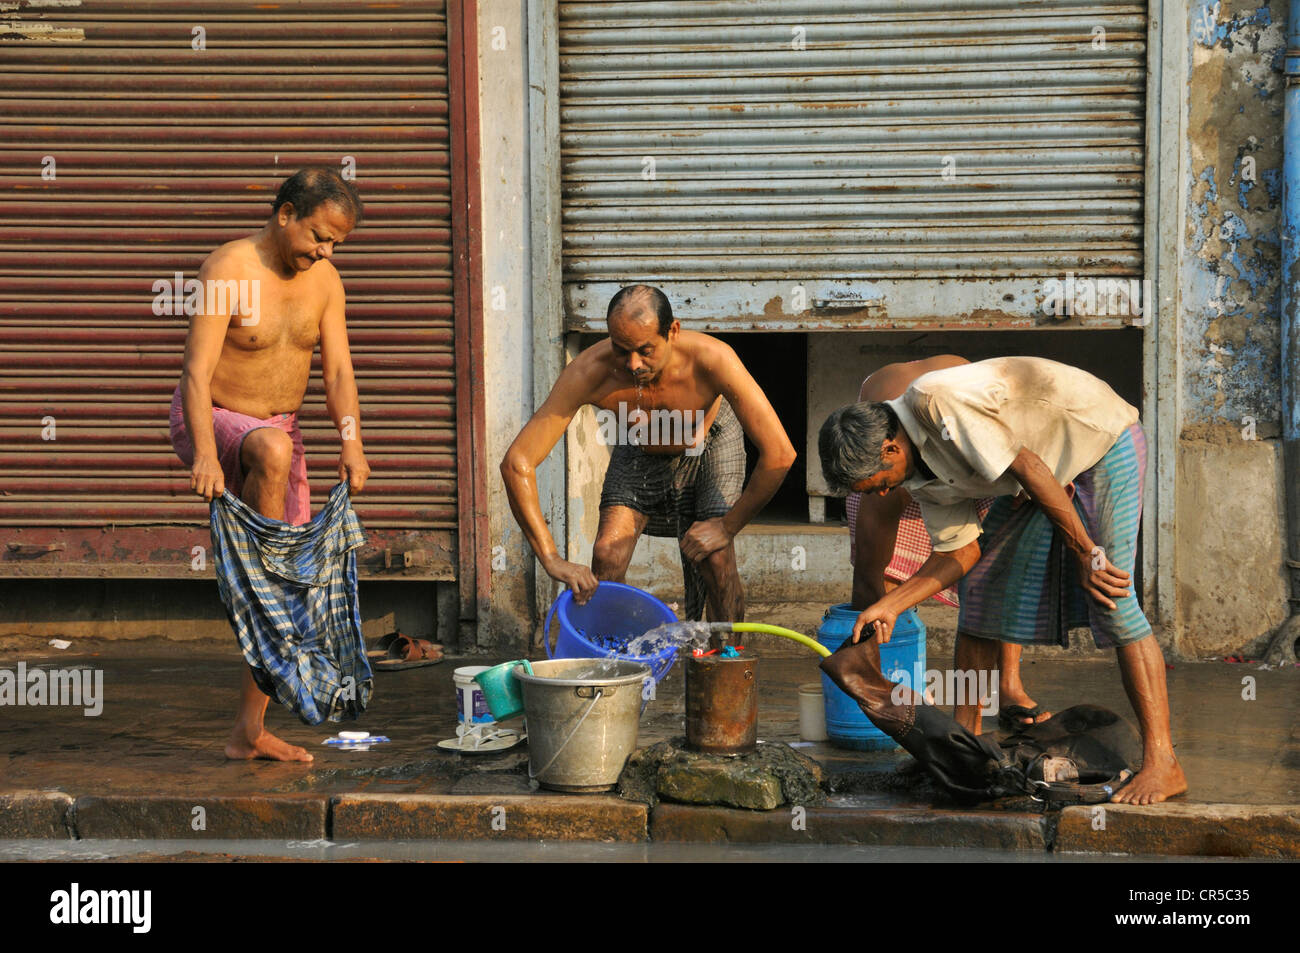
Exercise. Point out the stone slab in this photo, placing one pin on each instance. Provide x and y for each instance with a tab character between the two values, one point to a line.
1186	829
292	817
42	814
714	783
999	830
511	817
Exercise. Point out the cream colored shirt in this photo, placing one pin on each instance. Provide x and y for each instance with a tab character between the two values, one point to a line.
968	424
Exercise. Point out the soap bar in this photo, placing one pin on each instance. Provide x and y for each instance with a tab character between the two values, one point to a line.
353	735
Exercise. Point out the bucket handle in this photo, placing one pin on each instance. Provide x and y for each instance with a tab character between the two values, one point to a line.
536	774
591	691
546	631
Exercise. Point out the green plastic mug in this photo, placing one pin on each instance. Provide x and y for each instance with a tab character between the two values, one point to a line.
501	689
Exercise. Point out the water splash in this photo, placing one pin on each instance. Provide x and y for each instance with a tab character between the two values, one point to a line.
598	670
684	636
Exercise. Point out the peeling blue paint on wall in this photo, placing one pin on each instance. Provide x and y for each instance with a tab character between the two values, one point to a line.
1230	272
1210	29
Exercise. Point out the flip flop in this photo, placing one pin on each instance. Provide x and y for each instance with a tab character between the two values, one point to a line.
501	740
1009	718
396	651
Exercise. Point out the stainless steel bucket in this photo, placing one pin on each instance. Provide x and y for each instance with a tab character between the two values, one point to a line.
582	719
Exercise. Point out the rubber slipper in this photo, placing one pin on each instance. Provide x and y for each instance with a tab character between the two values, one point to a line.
382	645
500	740
405	652
1010	717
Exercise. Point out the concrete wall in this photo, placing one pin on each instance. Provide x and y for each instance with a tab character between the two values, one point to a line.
507	296
1230	512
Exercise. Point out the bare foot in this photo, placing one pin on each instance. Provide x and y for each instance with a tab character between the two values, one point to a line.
266	746
1160	778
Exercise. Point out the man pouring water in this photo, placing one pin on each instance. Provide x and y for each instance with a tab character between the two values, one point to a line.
676	406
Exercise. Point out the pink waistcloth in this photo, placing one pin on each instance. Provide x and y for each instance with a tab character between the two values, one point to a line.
230	429
912	547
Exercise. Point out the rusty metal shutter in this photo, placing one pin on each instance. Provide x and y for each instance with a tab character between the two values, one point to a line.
156	148
890	162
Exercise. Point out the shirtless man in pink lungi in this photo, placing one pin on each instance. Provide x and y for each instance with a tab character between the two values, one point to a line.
267	301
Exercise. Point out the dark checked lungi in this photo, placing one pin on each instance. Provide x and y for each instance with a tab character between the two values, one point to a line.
291	595
676	491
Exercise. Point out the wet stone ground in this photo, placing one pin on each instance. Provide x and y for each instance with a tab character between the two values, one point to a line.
167	708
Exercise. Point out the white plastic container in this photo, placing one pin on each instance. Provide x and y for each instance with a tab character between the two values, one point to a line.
812	712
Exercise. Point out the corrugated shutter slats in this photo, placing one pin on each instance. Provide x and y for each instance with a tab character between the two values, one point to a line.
162	153
767	140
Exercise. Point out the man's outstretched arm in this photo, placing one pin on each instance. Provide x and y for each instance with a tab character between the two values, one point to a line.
936	574
775	457
519	473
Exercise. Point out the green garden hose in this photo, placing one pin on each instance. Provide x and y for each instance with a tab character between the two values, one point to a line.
817	647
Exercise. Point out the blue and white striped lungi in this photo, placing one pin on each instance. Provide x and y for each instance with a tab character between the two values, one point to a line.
291	595
1025	587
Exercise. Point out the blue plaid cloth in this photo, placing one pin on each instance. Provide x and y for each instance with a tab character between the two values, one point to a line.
291	595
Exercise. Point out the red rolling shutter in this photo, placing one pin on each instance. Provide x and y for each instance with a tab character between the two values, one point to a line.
157	153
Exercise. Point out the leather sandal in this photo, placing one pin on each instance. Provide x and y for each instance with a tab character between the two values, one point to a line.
396	651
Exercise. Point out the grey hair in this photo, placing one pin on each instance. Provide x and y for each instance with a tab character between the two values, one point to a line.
850	441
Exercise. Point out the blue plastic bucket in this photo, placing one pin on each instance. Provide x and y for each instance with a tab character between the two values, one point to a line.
615	611
902	659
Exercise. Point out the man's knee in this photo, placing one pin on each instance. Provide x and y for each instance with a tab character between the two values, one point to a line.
268	452
610	555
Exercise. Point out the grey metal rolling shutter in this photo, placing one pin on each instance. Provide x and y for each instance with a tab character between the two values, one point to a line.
161	152
904	162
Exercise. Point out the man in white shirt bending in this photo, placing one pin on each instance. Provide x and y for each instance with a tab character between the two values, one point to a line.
1026	431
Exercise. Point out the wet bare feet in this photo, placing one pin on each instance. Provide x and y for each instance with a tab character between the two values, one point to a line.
266	746
1161	777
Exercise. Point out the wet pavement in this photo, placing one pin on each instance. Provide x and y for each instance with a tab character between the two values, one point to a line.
167	708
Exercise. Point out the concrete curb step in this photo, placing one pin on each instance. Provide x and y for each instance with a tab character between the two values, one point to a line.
681	823
509	817
1179	829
